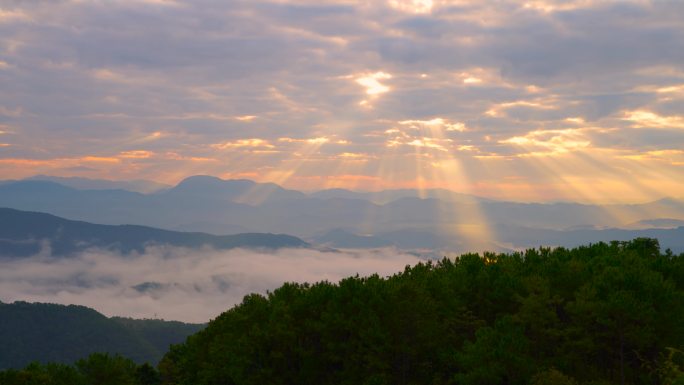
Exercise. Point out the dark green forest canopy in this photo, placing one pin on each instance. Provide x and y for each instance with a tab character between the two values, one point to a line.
96	369
63	334
599	314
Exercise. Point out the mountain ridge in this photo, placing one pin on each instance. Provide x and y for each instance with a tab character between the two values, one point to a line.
217	206
22	233
46	332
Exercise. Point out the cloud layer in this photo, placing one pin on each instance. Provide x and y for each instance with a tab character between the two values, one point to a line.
572	99
180	284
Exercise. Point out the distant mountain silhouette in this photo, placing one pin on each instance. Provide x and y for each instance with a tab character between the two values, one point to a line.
524	237
386	196
217	206
344	239
138	185
57	333
660	223
25	233
236	190
507	237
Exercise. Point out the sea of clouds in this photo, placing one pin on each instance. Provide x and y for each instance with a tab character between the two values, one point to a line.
177	283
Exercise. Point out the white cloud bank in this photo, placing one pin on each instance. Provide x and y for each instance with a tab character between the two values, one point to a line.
182	284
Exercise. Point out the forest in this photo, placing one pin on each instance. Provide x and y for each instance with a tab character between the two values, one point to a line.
43	332
606	313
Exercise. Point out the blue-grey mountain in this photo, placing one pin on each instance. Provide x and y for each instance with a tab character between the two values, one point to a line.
26	233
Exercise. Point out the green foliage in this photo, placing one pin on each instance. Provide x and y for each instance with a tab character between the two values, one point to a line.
103	369
552	377
146	374
604	313
96	369
36	374
63	334
671	368
499	355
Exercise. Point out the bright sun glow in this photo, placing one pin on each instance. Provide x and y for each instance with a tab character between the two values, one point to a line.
372	82
412	6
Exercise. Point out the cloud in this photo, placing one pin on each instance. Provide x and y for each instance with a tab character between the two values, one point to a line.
208	74
250	143
180	284
550	142
651	119
372	82
434	124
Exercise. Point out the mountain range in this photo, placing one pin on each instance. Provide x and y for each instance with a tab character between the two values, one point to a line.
25	233
509	238
402	218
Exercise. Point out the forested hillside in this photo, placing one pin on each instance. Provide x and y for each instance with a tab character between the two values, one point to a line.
63	334
25	233
601	314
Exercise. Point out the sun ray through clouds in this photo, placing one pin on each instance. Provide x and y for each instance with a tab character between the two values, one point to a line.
305	151
437	171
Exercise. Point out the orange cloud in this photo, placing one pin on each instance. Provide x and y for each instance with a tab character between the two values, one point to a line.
432	124
550	142
136	154
246	118
317	140
177	156
643	118
253	143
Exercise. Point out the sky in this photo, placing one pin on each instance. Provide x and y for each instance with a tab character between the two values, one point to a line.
523	100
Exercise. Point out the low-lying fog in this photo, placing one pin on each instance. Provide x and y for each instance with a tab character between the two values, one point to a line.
178	283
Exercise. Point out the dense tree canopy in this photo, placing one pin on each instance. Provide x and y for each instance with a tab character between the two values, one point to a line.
63	334
96	369
600	314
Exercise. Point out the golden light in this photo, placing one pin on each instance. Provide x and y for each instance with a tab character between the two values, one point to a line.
246	118
434	123
676	89
433	164
548	6
305	152
499	109
547	142
412	6
252	142
371	81
576	120
136	154
580	172
643	118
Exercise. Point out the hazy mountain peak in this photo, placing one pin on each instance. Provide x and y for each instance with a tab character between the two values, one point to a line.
35	185
670	201
235	190
136	185
208	180
206	184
